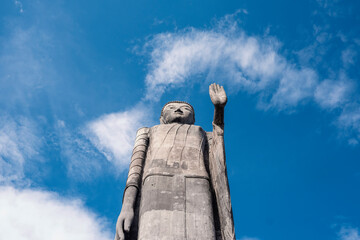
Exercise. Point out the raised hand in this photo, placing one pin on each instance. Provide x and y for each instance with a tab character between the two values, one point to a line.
217	95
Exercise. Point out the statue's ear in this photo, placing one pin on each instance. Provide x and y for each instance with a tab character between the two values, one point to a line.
162	120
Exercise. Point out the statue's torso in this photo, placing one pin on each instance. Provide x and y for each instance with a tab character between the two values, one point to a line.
176	149
176	198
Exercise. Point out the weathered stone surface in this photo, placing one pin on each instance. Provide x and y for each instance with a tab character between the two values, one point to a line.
177	186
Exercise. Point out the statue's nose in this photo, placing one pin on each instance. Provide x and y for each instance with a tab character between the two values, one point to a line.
178	110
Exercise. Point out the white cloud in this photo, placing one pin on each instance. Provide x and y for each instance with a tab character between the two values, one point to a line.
353	142
226	54
41	215
332	94
349	233
114	134
294	86
82	160
348	56
18	143
249	238
244	62
331	7
29	80
25	67
350	117
19	5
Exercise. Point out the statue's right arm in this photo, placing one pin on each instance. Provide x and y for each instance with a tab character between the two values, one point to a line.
133	182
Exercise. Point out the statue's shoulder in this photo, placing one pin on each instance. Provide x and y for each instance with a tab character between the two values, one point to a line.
153	128
142	131
198	128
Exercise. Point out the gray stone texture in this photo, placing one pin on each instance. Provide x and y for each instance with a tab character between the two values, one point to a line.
177	186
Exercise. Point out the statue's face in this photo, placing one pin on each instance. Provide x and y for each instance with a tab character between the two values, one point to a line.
179	113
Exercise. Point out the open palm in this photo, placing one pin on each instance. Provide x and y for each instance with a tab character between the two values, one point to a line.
217	95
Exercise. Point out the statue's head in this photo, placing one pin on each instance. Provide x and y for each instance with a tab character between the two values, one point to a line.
177	111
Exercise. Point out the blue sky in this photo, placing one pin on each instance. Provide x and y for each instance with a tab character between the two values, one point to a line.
78	78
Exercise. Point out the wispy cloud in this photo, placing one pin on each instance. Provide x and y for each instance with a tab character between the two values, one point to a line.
348	56
32	89
253	64
350	118
333	93
40	215
19	143
25	67
248	63
349	233
249	238
19	5
114	134
82	160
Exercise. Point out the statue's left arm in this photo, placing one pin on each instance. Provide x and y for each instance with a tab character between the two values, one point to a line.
217	164
133	183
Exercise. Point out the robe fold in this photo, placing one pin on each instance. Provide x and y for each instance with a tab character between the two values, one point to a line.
180	172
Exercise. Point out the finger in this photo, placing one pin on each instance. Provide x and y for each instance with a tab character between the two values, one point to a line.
119	230
217	87
120	235
211	88
222	89
117	237
127	224
214	86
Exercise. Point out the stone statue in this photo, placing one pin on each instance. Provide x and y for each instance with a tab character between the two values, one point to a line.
177	187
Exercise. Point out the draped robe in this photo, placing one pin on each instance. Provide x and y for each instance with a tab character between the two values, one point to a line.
183	192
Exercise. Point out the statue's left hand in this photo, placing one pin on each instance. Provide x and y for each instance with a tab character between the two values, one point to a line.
124	222
217	95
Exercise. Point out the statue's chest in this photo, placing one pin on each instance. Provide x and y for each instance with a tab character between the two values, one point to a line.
176	148
176	136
